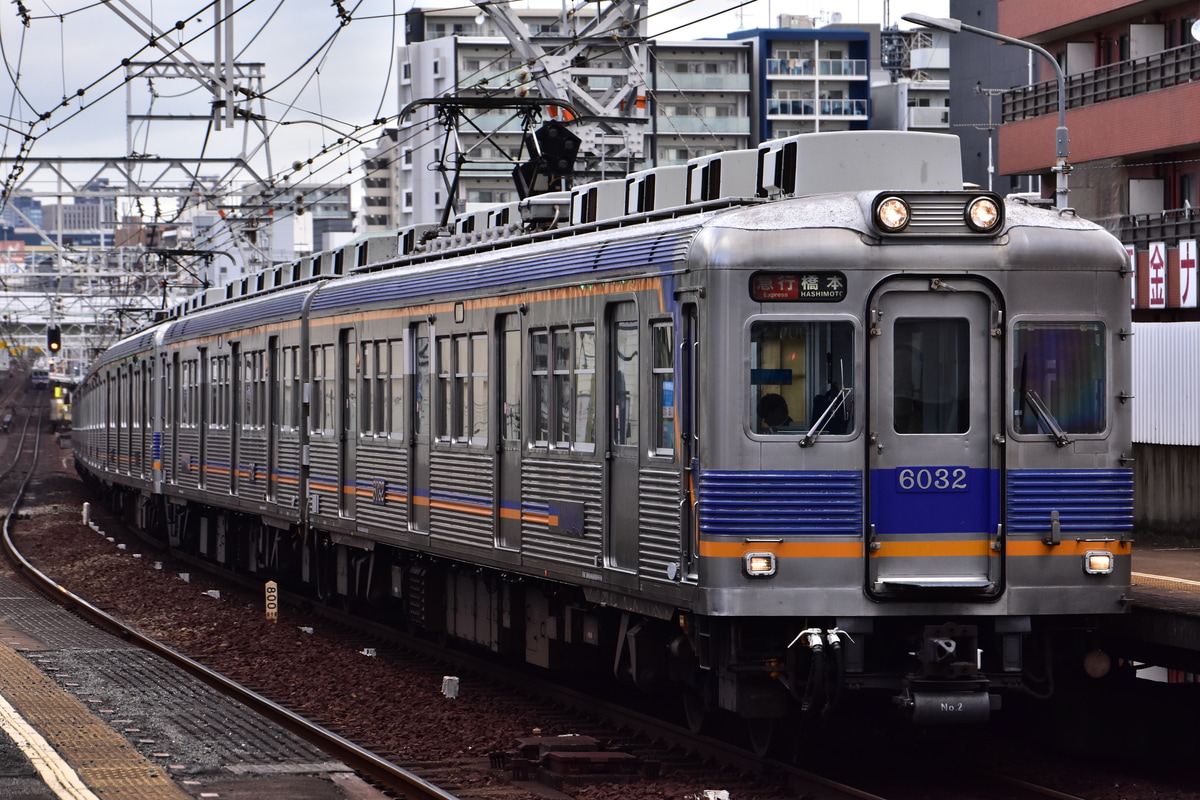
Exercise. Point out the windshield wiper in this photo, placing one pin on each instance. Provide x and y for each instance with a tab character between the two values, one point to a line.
1058	434
810	438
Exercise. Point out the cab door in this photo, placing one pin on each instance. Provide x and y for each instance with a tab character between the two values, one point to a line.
933	450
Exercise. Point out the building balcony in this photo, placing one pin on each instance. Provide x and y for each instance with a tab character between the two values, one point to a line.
1174	67
1136	107
816	108
927	117
1168	226
737	125
669	81
823	67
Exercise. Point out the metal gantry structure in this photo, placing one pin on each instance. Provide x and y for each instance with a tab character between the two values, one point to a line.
94	294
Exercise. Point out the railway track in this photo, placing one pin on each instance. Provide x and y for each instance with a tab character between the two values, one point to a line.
707	761
386	774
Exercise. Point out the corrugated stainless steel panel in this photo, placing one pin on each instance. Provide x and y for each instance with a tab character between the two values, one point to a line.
545	485
287	479
781	503
1166	383
252	466
1088	501
659	545
323	482
188	453
216	460
461	508
387	514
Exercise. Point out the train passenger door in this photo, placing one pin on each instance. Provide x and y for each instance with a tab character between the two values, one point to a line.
238	386
623	451
508	490
422	405
348	423
935	406
689	346
271	425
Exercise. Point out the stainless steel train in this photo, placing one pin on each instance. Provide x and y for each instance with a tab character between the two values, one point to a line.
764	429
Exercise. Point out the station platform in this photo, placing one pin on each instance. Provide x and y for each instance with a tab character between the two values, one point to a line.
1163	626
88	717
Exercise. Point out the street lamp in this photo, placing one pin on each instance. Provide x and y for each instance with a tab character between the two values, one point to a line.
1061	141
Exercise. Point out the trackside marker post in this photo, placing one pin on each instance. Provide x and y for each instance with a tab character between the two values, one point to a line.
272	601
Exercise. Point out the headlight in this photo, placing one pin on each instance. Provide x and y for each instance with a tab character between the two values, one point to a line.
760	565
892	214
1097	562
983	214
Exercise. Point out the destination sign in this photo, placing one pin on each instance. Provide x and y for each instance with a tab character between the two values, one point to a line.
802	287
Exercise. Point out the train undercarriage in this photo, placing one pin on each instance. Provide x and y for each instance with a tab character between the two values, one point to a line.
771	674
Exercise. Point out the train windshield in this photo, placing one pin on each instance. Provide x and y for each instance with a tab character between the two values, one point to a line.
797	368
1059	377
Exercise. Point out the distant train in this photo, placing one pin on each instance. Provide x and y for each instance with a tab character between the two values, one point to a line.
766	428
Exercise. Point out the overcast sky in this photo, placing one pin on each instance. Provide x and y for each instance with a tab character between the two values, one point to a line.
64	68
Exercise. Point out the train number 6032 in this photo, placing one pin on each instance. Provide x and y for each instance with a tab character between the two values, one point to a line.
932	479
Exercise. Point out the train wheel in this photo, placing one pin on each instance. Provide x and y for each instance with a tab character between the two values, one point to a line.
695	710
762	733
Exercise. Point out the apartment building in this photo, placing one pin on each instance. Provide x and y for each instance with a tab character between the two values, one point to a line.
1131	98
697	98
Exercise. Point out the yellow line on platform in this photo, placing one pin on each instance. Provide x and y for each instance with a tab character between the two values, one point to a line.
58	775
1163	582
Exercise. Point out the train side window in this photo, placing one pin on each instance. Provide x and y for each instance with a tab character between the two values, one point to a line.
322	402
396	388
662	344
421	400
510	415
584	400
289	395
443	402
798	368
627	391
563	381
218	408
373	401
477	421
539	351
560	352
1059	366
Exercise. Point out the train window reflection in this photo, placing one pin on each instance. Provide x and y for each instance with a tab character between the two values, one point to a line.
796	368
931	376
1063	364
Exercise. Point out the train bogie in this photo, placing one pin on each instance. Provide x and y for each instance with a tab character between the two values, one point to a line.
767	452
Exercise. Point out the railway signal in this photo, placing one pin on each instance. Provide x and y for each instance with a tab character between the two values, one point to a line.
53	339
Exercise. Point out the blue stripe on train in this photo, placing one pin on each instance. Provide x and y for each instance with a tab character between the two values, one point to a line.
1087	500
825	503
936	499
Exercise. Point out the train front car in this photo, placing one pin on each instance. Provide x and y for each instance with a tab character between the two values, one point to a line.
915	468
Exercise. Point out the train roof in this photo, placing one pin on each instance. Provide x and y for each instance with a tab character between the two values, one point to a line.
801	165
